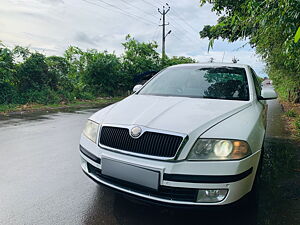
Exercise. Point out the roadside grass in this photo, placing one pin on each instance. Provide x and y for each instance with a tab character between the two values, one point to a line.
4	108
291	113
297	125
292	117
32	107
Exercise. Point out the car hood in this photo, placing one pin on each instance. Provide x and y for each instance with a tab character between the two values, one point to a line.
176	114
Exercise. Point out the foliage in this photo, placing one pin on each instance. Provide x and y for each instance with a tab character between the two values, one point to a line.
271	27
291	113
31	77
7	75
138	58
33	74
297	35
21	53
297	124
95	102
178	60
7	93
7	67
58	68
102	73
43	96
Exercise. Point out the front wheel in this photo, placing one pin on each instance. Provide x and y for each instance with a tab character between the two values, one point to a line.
258	174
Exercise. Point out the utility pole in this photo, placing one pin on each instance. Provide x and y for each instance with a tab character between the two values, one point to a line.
223	56
235	60
164	24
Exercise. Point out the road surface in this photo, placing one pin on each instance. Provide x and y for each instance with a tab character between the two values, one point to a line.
41	181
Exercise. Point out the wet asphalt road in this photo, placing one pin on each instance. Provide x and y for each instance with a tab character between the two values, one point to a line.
41	181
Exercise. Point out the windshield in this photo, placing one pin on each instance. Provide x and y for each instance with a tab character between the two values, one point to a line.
213	82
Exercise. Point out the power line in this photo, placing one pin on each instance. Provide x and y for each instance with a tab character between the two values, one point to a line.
149	3
174	10
119	10
134	6
178	38
92	3
112	7
153	16
181	18
183	34
183	28
156	33
116	7
101	6
164	24
162	2
174	20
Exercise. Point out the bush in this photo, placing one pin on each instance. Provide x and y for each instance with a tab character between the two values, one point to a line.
27	77
287	86
34	74
7	93
297	124
102	74
291	113
44	96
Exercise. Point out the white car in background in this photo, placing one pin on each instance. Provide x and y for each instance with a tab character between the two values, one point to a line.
192	135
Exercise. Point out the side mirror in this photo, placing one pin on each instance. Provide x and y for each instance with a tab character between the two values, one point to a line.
267	93
137	88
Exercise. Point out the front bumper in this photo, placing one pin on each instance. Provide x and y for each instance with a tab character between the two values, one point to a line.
179	181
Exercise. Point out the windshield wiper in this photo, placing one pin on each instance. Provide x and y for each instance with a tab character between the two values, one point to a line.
227	98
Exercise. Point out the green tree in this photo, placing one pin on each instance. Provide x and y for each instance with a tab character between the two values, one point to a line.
139	57
33	73
31	77
77	60
178	60
7	67
58	68
21	53
7	75
102	73
270	26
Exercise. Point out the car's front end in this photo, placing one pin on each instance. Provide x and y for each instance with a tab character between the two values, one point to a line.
174	150
170	179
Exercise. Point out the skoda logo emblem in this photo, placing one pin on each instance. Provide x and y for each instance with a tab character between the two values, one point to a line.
135	132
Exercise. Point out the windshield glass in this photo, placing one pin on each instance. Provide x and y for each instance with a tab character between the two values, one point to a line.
212	82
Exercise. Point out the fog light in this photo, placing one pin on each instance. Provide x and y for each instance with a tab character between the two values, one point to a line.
211	195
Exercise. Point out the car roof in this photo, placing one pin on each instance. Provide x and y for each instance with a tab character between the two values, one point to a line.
214	64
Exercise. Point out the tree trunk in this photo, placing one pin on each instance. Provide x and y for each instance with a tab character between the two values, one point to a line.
297	96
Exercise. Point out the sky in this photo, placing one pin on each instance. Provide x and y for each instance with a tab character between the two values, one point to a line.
50	26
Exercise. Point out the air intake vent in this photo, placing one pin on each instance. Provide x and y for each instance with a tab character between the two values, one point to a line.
149	143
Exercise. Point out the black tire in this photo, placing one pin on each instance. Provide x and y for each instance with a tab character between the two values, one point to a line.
257	179
252	198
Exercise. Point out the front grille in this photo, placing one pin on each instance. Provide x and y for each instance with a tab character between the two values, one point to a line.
149	143
165	192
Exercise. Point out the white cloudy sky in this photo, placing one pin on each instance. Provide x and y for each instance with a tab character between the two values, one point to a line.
53	25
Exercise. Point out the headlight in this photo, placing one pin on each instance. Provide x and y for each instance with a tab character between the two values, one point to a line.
91	130
215	149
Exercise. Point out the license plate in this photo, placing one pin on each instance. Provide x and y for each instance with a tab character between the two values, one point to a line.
130	173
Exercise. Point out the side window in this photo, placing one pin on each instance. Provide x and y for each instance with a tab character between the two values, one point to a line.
256	82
